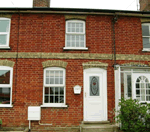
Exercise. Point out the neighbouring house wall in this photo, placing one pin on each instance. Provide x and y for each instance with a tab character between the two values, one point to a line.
41	37
144	5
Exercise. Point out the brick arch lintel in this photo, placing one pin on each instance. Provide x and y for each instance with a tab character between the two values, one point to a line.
94	64
54	63
78	17
6	15
145	20
7	63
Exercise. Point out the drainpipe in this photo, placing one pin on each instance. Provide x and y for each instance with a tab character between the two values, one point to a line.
114	20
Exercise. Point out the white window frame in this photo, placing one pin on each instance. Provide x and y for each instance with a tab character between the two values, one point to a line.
54	85
6	33
126	85
7	85
75	33
146	49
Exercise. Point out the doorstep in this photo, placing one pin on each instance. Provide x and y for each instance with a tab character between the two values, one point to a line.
98	126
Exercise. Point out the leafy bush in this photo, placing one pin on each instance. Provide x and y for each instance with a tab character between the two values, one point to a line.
0	122
133	116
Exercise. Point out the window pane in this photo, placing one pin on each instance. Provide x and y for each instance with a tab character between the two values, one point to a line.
56	80
46	99
56	95
75	27
129	85
137	85
52	90
148	98
61	90
56	99
56	73
3	39
138	92
4	76
51	73
51	99
47	80
47	73
61	73
145	30
4	95
147	91
61	99
75	41
61	80
146	42
46	91
4	25
56	91
52	81
94	86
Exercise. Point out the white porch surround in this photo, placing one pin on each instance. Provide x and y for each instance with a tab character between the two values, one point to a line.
122	84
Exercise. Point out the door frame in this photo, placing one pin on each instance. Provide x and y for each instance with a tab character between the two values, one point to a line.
104	76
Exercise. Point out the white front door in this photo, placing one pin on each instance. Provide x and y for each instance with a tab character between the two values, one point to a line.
95	94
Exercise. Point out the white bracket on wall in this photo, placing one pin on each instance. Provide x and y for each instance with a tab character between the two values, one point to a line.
77	89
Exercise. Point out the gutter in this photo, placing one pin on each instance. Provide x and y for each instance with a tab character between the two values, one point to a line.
76	11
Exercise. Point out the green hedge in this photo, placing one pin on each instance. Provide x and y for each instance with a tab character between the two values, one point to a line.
133	116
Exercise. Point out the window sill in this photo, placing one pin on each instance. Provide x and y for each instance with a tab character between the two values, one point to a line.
6	106
75	48
54	105
146	49
4	47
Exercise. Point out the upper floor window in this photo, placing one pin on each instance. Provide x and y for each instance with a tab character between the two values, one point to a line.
5	86
146	36
75	35
4	32
54	87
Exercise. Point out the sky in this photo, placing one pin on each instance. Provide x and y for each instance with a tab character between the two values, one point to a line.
92	4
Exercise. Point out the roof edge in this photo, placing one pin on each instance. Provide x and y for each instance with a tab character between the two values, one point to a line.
75	11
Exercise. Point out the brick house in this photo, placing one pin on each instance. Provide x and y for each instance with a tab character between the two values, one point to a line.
46	53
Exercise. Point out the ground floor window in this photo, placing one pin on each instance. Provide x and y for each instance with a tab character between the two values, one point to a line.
5	86
54	86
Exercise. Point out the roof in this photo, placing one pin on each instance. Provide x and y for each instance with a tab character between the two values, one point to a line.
80	11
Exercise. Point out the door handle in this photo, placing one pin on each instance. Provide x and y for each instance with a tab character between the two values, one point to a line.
85	94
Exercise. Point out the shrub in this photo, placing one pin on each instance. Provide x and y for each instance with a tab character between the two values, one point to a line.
0	122
133	116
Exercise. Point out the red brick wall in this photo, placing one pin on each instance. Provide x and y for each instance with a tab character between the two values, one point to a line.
46	33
